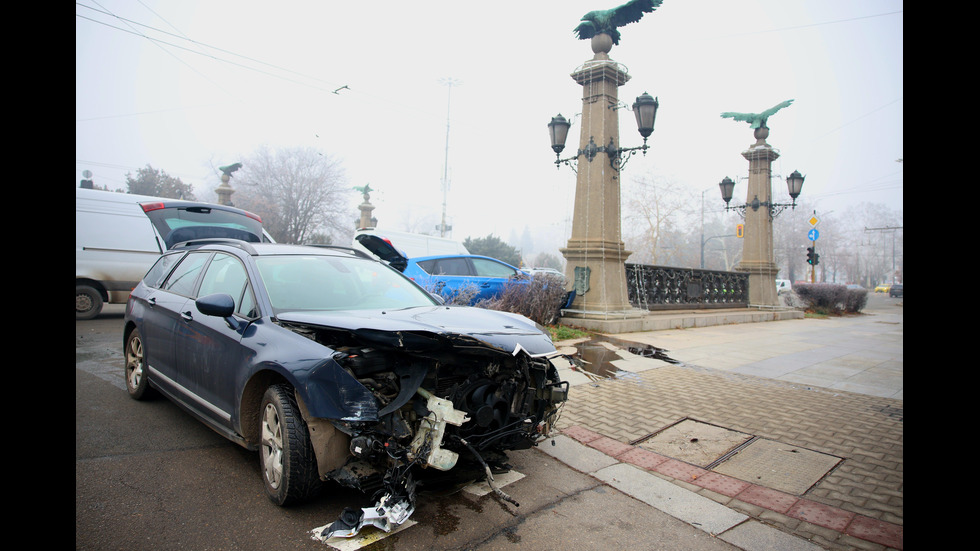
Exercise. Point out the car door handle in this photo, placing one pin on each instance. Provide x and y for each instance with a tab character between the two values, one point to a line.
152	301
186	316
484	285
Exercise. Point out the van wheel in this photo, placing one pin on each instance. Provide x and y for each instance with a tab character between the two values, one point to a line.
289	467
88	302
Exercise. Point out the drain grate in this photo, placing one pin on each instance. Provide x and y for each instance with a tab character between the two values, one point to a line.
779	466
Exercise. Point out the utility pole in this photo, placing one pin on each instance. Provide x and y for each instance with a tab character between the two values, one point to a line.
449	82
892	229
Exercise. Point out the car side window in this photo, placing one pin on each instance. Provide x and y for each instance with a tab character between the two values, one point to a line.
155	276
451	266
226	274
184	276
489	268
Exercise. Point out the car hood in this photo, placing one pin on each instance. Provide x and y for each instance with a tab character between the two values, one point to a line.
433	327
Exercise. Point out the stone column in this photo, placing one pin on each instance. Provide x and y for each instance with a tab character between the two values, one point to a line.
366	221
224	190
757	245
366	208
595	253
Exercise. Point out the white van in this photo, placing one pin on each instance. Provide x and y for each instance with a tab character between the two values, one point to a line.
412	245
118	236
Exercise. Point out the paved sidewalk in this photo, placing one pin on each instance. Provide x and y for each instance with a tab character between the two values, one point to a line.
797	424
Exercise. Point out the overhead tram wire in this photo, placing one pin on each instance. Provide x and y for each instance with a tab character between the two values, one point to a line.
331	86
215	58
137	33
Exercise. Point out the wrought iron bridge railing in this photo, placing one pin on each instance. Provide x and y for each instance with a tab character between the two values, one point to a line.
667	288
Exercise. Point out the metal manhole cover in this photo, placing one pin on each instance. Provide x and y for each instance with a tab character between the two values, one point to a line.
695	442
779	466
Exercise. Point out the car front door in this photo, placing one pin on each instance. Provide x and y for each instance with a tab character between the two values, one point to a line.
491	277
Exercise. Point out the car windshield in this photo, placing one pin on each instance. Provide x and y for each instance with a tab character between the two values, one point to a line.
319	282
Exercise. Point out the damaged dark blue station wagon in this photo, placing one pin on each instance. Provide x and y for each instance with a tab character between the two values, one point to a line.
336	367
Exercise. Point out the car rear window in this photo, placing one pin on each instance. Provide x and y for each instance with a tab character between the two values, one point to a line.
160	270
446	266
175	222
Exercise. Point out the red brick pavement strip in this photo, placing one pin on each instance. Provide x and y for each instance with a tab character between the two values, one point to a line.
839	520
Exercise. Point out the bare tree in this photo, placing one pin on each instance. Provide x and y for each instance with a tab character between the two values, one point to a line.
654	211
298	192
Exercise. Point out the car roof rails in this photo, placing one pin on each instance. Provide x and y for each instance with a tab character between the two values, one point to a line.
194	243
356	252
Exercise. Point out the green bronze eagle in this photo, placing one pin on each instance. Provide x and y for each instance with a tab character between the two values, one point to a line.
607	21
756	120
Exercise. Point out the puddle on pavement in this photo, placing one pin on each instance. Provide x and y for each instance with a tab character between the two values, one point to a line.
596	355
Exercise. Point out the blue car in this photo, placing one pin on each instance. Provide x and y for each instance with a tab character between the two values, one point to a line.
457	278
336	367
464	275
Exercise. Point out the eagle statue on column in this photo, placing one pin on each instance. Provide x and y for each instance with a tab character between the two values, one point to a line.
607	21
756	120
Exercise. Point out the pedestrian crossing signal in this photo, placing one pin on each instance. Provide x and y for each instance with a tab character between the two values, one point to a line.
740	230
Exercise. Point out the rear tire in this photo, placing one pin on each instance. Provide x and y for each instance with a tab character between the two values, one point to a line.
136	381
286	458
88	302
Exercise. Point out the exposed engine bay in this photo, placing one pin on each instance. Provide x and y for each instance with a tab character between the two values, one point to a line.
444	402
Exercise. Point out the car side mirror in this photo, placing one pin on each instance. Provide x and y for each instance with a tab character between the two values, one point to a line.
220	305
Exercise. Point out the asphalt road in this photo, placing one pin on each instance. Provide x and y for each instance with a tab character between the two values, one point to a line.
149	476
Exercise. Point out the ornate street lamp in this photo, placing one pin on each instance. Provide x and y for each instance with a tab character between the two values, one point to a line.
558	129
794	184
645	110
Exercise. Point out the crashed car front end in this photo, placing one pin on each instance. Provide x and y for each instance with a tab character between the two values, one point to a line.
444	400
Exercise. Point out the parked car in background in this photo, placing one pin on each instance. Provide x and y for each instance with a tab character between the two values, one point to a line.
483	277
118	236
411	245
334	366
783	286
450	276
897	290
546	271
883	287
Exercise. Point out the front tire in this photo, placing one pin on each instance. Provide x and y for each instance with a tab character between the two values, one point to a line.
88	302
286	458
136	381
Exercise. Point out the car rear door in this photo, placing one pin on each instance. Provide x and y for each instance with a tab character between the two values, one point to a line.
448	276
210	356
161	320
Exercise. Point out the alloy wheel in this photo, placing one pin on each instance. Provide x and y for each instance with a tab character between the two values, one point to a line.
272	446
134	362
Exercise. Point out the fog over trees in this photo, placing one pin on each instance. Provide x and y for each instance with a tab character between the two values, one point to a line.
303	196
666	224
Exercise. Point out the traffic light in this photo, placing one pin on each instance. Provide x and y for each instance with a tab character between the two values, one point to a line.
810	256
816	258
